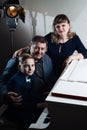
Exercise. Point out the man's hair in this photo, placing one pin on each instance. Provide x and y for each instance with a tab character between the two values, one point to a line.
39	38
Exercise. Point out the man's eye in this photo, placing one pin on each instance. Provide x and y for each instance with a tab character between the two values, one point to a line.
33	65
25	66
36	47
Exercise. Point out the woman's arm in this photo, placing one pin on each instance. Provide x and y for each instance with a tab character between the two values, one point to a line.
77	56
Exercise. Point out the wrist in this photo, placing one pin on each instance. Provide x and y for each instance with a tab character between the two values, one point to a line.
79	56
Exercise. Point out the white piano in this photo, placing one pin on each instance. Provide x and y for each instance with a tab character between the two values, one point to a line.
67	101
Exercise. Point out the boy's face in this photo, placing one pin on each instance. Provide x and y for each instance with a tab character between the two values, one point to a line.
28	67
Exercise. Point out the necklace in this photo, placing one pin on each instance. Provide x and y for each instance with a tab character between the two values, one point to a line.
60	47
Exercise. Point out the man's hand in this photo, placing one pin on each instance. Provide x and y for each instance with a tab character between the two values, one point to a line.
14	98
19	51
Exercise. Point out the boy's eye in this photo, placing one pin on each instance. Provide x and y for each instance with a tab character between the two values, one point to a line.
63	25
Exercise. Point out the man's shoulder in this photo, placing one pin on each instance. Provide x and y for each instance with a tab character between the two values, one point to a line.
47	60
11	62
46	57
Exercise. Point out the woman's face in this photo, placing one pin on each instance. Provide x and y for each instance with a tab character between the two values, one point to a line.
62	28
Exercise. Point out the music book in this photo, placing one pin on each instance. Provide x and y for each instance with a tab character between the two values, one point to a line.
76	71
72	90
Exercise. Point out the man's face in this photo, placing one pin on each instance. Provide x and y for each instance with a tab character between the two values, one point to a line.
39	50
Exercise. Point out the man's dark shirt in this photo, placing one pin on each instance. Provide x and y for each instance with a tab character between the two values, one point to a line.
39	69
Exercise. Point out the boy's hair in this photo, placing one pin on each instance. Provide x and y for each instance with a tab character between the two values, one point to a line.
25	56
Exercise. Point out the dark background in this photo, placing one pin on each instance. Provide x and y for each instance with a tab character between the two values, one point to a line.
20	38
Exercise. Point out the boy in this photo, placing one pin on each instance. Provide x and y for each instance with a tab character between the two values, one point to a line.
30	87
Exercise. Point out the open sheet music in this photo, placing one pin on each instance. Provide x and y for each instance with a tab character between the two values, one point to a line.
76	71
73	81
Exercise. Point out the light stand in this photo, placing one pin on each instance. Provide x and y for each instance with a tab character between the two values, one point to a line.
12	21
11	40
12	12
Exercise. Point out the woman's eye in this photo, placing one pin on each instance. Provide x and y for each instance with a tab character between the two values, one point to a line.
57	26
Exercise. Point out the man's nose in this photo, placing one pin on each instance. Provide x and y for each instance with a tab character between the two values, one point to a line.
39	50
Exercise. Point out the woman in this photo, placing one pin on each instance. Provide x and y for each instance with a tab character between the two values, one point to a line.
62	43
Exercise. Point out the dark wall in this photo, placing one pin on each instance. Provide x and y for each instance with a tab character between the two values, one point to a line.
20	39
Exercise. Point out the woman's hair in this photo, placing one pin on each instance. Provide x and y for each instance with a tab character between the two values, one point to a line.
61	18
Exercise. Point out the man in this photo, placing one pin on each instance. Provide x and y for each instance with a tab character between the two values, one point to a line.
43	63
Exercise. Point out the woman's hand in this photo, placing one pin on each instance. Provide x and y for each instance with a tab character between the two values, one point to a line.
77	56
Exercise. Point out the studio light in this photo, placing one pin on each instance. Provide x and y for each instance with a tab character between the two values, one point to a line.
12	11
